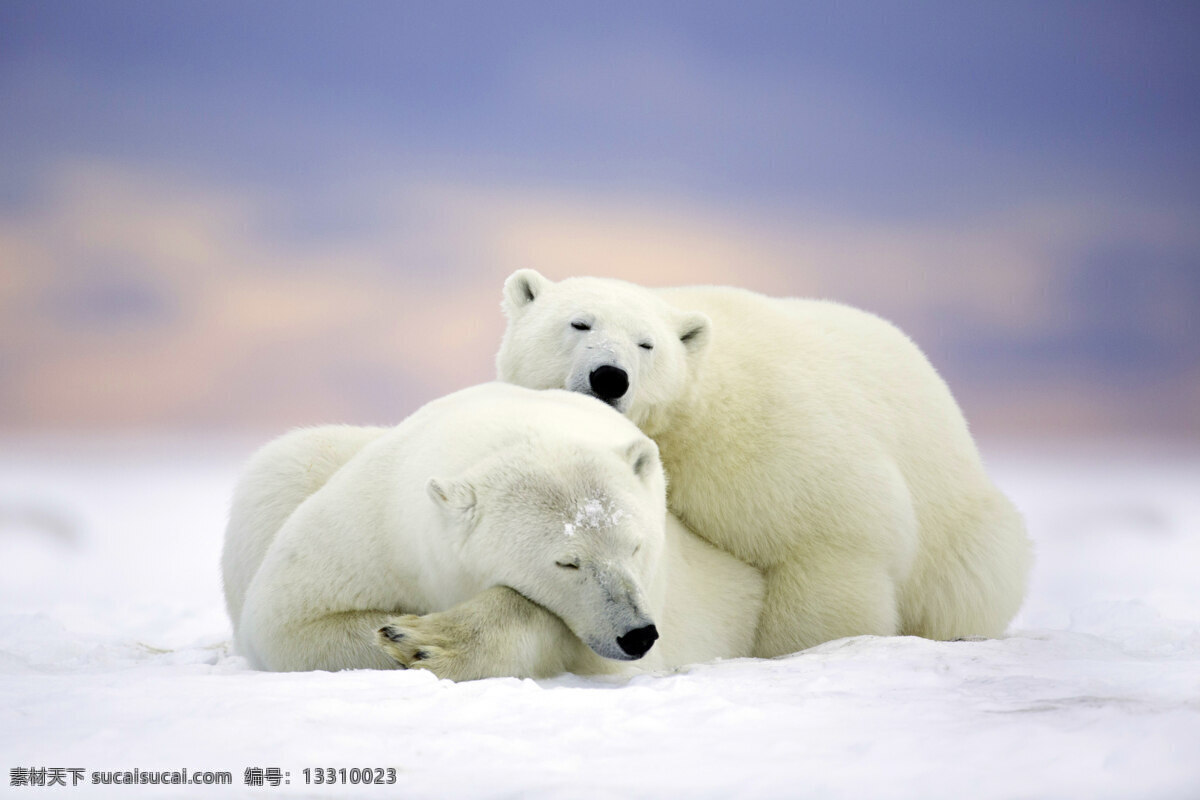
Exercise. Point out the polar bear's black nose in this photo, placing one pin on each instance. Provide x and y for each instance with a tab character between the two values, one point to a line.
609	383
638	641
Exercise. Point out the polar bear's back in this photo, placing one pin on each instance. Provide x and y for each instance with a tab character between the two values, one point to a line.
840	371
839	354
277	479
492	415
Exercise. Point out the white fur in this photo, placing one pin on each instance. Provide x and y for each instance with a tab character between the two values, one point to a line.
809	439
425	544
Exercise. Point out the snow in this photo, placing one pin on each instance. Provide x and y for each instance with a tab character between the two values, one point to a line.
114	655
595	512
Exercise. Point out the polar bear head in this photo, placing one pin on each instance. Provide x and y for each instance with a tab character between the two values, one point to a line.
606	338
576	529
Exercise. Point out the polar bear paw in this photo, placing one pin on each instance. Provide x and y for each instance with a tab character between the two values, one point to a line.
427	642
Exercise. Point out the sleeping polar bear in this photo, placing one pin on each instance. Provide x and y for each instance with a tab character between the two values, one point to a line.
496	531
809	439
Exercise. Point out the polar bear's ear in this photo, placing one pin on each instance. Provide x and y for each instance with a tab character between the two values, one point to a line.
642	457
522	288
694	328
455	497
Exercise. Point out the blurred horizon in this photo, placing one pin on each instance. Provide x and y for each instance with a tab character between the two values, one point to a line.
246	217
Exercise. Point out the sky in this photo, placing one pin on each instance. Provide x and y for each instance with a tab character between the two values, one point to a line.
248	216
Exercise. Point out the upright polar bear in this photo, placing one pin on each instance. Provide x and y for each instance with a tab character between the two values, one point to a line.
419	546
807	438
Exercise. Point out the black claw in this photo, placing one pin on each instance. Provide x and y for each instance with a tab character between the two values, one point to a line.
421	655
391	633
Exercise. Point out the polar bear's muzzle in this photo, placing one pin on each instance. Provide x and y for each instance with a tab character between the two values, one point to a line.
629	646
609	383
623	631
638	641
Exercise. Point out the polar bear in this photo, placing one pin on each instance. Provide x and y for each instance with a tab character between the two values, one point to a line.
809	439
423	546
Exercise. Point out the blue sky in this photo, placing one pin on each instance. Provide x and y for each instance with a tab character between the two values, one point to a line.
901	155
877	107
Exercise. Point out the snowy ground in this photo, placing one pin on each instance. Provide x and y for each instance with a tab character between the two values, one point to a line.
114	655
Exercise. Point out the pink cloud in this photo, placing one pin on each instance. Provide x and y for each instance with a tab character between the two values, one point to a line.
264	329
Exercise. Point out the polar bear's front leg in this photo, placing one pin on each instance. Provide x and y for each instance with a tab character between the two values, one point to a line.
276	641
496	633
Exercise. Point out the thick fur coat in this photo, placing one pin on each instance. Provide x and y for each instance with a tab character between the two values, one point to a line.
496	531
809	439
